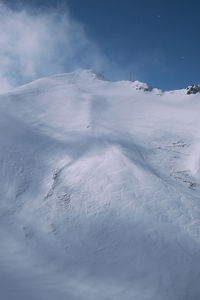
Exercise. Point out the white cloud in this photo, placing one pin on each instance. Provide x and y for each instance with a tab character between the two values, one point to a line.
33	45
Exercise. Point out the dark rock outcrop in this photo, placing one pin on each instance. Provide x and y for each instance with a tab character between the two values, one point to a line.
193	89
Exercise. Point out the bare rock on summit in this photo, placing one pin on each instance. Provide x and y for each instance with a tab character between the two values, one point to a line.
193	89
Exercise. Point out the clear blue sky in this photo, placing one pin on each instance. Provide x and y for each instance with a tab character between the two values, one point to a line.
160	38
155	39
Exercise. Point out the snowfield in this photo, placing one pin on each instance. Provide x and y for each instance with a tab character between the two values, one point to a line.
100	191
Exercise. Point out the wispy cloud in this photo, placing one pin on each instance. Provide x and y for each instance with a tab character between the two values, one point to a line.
35	44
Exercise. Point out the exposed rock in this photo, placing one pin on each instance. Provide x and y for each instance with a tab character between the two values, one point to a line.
193	89
142	86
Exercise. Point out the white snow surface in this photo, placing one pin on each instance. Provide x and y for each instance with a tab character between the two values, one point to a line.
100	191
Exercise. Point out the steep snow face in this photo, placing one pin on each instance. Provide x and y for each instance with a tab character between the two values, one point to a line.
99	191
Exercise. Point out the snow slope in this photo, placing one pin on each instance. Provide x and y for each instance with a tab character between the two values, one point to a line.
100	191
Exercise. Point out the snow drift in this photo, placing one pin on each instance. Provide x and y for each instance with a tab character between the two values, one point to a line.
99	190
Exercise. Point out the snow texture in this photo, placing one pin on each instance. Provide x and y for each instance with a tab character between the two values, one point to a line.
100	191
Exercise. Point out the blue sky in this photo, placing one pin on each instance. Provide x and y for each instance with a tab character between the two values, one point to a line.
155	40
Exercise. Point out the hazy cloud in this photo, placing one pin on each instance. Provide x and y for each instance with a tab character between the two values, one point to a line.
34	44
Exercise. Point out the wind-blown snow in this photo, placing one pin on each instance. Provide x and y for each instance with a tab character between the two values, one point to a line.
99	190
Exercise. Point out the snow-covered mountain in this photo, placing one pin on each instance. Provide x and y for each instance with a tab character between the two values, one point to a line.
100	191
